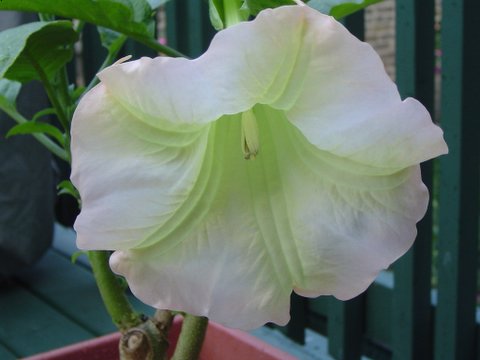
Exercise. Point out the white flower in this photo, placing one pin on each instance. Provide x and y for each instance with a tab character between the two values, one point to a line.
330	194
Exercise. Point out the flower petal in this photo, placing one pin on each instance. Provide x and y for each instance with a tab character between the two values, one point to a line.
245	64
347	221
293	218
333	87
132	178
331	199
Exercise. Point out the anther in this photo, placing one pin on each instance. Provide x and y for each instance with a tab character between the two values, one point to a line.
250	140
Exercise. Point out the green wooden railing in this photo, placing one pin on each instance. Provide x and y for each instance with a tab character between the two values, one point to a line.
411	327
456	328
425	306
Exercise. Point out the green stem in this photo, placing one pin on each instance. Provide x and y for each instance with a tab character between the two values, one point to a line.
60	86
191	338
113	295
148	340
61	111
231	10
112	54
155	45
42	138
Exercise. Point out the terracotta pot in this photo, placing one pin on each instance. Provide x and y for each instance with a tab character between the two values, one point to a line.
220	343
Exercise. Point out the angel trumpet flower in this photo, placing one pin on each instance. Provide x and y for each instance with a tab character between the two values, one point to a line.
282	159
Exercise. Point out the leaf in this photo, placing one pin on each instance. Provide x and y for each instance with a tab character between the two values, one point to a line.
66	187
215	11
9	91
32	127
8	94
343	10
340	8
131	17
42	113
76	92
255	6
109	38
34	47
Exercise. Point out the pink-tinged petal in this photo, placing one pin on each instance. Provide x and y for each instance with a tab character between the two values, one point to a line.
132	178
331	199
332	86
293	218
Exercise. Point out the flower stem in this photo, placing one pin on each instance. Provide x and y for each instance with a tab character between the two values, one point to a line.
149	340
60	86
191	338
231	10
152	43
113	295
51	93
111	56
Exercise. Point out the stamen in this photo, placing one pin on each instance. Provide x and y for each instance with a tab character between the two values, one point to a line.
250	140
122	60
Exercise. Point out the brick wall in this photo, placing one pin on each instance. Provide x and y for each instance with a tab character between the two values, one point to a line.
380	30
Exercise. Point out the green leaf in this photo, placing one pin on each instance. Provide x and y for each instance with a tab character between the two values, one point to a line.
42	113
75	92
255	6
66	187
9	91
131	17
215	11
8	94
343	10
31	49
340	8
109	38
33	127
